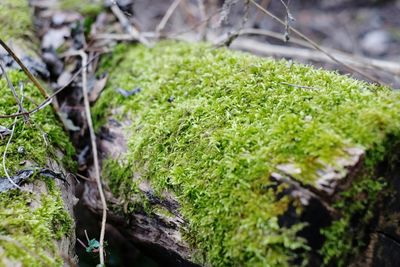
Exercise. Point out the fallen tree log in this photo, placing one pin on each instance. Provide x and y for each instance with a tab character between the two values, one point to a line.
36	194
220	158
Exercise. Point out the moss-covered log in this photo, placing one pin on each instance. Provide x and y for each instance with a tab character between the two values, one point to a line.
225	159
36	225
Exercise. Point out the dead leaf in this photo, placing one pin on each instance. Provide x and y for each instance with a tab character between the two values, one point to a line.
98	87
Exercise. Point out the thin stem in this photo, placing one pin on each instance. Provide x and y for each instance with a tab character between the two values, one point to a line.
95	155
314	44
167	16
25	69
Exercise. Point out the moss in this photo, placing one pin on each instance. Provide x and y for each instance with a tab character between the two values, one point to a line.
85	7
212	125
32	136
15	19
32	231
343	240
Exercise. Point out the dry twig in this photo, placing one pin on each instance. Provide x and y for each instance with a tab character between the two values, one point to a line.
203	16
24	68
167	16
95	155
20	107
361	62
126	25
315	45
10	138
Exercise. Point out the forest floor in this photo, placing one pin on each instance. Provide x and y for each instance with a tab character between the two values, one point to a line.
363	34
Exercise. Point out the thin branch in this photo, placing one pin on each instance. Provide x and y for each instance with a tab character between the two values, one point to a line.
167	16
300	86
20	107
25	69
95	155
126	25
315	45
233	35
9	140
203	16
258	47
289	18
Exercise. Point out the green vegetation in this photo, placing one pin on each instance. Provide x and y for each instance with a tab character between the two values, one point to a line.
32	136
15	19
28	234
30	221
85	7
211	125
342	242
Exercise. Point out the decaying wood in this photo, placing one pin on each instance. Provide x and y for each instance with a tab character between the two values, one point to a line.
65	246
160	233
164	234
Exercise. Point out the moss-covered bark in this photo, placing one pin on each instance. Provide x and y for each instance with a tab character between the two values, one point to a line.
255	162
36	227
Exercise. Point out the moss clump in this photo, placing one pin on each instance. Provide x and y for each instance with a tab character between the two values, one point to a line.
32	136
357	204
85	7
212	125
15	19
27	234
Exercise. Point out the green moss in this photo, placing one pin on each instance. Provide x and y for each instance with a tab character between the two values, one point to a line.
32	136
85	7
212	125
32	231
15	19
343	240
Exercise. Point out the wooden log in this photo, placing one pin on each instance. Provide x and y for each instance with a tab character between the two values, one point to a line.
220	158
36	192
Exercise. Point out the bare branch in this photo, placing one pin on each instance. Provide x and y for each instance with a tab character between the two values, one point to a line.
95	155
126	25
315	45
167	16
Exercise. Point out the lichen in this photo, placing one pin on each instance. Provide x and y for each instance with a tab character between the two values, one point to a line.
211	125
